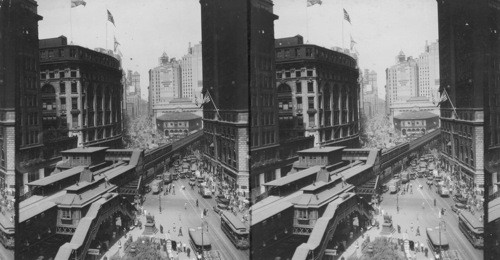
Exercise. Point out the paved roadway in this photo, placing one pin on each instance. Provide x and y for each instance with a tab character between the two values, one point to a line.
6	254
173	213
412	211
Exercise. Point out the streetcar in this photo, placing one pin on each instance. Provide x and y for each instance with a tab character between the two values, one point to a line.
472	228
235	229
201	243
437	240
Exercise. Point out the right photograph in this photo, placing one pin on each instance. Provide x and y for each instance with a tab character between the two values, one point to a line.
374	129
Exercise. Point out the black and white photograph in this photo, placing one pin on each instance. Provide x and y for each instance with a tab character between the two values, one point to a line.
179	130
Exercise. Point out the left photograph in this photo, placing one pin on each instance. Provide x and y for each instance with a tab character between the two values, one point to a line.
103	149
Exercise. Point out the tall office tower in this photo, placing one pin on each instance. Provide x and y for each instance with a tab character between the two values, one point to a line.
466	68
192	73
87	91
226	77
318	93
165	81
29	141
370	93
401	80
428	72
136	82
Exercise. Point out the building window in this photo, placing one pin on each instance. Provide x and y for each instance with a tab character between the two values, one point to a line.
43	76
310	101
279	75
74	88
299	87
66	213
308	52
299	102
297	74
287	74
74	103
309	73
63	105
62	88
310	87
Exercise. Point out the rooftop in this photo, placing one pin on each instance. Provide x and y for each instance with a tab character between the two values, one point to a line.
178	116
415	115
294	176
326	149
85	150
322	197
57	177
264	210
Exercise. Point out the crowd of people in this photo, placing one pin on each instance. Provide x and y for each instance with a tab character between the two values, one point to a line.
140	133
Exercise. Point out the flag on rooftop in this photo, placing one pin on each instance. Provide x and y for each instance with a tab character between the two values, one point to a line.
346	16
110	18
313	2
352	42
75	3
116	43
444	97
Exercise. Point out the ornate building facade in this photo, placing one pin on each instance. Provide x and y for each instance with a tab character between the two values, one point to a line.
87	91
318	93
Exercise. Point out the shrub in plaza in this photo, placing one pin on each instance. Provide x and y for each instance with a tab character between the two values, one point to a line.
381	249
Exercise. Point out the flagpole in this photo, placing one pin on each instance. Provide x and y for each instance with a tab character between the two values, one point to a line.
70	24
107	28
343	18
451	103
307	23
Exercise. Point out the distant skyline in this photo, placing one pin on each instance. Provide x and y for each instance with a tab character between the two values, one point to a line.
146	29
381	29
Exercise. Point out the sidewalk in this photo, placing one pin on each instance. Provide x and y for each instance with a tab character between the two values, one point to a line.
355	246
170	220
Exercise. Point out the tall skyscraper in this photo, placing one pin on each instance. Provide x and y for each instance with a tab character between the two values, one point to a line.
165	81
225	26
402	81
428	72
464	61
370	93
136	82
192	73
29	141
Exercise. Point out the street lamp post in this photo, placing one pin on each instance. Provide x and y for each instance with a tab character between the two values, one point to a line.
159	201
202	243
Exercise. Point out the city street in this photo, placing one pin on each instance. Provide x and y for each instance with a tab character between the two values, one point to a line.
425	216
173	214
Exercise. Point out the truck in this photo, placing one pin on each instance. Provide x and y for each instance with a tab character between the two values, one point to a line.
205	191
405	177
442	190
394	185
157	186
167	177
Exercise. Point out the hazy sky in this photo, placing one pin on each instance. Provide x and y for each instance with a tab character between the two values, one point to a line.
145	29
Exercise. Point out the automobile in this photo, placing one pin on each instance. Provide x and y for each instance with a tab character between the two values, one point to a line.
222	200
385	188
220	207
429	182
459	198
146	188
460	206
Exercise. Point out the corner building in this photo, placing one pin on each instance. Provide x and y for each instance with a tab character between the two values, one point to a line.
319	89
86	89
226	76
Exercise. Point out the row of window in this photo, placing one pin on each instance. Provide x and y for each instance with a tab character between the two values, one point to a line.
328	55
267	137
2	149
293	74
58	74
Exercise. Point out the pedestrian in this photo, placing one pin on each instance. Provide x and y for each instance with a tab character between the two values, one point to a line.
418	231
196	202
434	202
184	247
188	252
185	205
